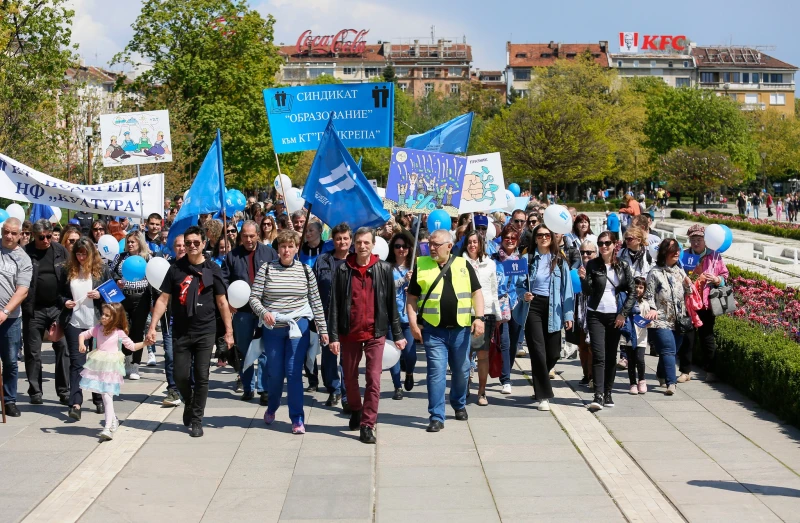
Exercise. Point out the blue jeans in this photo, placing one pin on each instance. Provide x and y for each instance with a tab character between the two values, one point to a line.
331	371
443	347
409	354
169	355
667	343
312	371
755	212
10	342
286	357
244	327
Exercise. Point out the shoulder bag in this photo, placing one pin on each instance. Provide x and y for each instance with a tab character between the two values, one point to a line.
721	300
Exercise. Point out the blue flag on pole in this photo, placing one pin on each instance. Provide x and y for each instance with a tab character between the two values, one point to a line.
40	211
337	189
450	137
205	196
111	292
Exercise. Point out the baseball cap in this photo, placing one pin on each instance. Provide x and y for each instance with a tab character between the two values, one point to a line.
481	221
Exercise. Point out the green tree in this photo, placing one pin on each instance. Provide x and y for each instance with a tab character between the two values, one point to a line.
778	141
211	59
389	74
693	170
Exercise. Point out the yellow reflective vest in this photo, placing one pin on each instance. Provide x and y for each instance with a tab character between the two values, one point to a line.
427	271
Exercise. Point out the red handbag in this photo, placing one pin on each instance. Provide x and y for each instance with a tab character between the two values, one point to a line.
495	356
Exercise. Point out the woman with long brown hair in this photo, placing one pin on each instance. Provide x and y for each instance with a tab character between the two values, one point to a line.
268	230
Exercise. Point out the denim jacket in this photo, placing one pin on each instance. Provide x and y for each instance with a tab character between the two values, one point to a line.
562	297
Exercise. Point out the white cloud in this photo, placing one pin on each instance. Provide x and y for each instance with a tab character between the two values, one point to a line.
102	30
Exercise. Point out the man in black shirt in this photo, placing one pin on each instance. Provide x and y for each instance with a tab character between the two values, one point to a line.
40	310
198	294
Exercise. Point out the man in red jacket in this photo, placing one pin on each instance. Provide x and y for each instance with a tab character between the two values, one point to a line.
362	310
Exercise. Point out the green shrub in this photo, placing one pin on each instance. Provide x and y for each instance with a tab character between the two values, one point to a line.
771	230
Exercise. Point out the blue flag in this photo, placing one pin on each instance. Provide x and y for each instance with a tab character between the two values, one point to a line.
337	189
111	292
450	137
40	211
205	196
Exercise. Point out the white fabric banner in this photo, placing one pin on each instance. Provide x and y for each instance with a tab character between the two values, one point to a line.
119	198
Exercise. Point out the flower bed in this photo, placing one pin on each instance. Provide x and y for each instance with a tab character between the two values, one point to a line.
779	229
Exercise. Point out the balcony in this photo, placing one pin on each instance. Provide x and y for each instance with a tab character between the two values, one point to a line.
747	87
754	107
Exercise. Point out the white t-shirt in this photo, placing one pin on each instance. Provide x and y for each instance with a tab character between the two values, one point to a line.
83	315
608	303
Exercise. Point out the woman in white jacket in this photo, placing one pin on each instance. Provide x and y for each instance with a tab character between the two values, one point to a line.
486	270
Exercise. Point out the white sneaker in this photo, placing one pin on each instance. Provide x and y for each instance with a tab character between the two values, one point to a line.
134	375
114	425
106	435
544	405
521	353
552	374
506	389
151	359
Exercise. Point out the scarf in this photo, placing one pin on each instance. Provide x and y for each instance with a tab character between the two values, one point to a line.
502	256
637	258
193	285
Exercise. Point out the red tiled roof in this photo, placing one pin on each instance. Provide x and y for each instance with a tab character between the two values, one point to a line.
531	55
728	57
90	72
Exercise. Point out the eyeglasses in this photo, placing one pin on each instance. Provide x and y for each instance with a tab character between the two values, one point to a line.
26	233
234	231
72	241
44	237
534	222
587	253
543	235
605	244
509	239
480	228
192	243
400	246
98	229
434	245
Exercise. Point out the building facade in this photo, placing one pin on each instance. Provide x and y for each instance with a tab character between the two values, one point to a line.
676	70
522	58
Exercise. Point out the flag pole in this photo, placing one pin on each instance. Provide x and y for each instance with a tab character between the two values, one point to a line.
222	190
141	203
280	182
416	240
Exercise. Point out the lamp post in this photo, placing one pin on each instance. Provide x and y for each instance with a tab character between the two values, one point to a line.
88	132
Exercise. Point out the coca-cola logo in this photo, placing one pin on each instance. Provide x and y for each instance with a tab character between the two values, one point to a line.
346	41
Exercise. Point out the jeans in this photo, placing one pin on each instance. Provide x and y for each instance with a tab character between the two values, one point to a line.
169	355
244	328
705	334
604	339
544	348
351	356
635	363
667	343
10	341
331	371
286	357
408	355
508	331
755	212
310	366
193	353
76	361
443	347
34	327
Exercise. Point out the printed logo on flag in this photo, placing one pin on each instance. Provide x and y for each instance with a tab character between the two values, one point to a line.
338	180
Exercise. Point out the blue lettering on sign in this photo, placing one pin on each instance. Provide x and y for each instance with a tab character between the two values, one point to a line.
363	115
515	267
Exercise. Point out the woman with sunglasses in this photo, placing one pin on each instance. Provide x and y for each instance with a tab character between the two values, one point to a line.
547	306
507	286
98	230
25	233
667	285
634	252
588	252
268	230
400	247
605	279
232	234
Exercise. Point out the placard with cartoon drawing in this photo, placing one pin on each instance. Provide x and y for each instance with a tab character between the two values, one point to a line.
421	181
135	138
484	187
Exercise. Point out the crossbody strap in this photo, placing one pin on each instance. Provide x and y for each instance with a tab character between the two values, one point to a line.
436	281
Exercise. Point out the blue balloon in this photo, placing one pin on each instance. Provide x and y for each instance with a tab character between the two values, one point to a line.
728	239
612	223
438	219
576	281
514	188
3	215
133	268
235	200
122	245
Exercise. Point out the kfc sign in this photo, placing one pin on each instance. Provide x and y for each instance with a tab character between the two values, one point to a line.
629	43
348	41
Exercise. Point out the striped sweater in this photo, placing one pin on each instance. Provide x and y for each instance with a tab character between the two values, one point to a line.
284	290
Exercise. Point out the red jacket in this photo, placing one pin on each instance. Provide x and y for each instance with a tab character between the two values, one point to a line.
362	301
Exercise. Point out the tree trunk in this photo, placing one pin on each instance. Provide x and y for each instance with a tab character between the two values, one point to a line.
694	203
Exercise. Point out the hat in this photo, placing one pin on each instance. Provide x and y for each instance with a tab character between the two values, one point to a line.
697	230
481	221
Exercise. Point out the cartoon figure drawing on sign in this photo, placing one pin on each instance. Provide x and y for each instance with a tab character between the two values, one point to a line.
144	141
440	194
412	184
160	148
114	151
430	188
401	188
478	186
449	199
128	145
420	185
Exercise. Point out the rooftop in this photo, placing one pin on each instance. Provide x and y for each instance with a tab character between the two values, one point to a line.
543	55
732	56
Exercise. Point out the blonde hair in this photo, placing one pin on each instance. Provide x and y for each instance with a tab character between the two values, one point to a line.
637	232
144	249
288	236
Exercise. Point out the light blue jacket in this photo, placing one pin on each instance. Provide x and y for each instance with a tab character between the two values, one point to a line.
562	297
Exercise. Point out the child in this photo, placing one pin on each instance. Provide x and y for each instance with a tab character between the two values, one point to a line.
105	367
636	355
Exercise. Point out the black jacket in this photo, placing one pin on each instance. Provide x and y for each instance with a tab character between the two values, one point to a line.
323	270
65	293
385	304
234	267
60	256
573	255
595	284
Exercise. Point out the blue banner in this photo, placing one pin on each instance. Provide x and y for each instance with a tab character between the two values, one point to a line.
689	260
640	322
516	267
421	181
363	113
111	292
449	137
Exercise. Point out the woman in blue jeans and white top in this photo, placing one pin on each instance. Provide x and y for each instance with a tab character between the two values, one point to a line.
285	297
667	284
399	257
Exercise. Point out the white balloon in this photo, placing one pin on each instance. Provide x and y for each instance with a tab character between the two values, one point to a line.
283	183
156	270
511	201
15	210
108	247
491	231
558	219
391	355
56	217
715	236
381	248
294	200
653	250
238	294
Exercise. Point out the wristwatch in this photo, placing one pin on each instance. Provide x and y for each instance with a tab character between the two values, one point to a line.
6	312
482	318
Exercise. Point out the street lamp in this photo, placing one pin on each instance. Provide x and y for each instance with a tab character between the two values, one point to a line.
88	133
764	169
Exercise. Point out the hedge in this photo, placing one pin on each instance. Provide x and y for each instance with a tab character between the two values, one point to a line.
772	230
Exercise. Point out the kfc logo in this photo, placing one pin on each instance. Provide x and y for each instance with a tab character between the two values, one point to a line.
629	42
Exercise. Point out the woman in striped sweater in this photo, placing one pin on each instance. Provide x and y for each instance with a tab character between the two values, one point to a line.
285	297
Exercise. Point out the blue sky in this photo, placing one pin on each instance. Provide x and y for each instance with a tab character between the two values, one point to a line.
487	25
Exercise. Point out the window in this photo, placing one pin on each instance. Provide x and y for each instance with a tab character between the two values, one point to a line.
455	89
369	72
522	75
755	78
455	71
571	55
726	77
524	93
751	98
546	55
636	63
109	88
110	106
652	63
669	64
294	74
683	82
775	78
428	88
401	71
737	78
745	78
321	71
706	78
656	72
522	55
349	70
686	63
777	99
619	63
733	96
403	86
429	72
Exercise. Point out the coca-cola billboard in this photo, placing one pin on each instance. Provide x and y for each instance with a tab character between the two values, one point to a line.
346	41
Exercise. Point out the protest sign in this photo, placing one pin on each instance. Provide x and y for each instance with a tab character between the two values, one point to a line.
516	267
484	188
363	115
421	181
689	260
135	138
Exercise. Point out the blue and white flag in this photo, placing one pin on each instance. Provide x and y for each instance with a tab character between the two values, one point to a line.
205	196
337	189
449	137
111	292
40	211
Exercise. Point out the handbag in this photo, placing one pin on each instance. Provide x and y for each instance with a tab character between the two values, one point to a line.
505	309
495	356
721	300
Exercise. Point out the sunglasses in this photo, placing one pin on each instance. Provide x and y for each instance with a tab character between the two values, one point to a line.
509	239
533	221
605	244
234	231
25	233
98	229
192	243
587	253
400	246
519	221
44	237
544	235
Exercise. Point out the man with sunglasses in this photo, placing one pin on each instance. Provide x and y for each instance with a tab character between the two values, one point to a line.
41	309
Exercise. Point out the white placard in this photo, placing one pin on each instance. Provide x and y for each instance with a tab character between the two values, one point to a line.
484	188
135	138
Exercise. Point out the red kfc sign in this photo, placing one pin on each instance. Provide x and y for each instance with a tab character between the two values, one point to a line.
629	42
341	42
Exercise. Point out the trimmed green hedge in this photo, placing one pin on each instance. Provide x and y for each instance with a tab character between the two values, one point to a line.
772	230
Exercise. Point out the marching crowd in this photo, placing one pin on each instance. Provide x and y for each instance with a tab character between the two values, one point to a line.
444	292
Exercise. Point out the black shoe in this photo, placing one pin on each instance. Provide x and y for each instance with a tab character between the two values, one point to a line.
238	387
311	388
398	394
12	411
100	409
584	382
608	401
461	415
597	402
333	399
197	430
367	435
36	399
187	414
409	384
435	426
346	407
74	413
355	419
247	396
64	400
264	401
